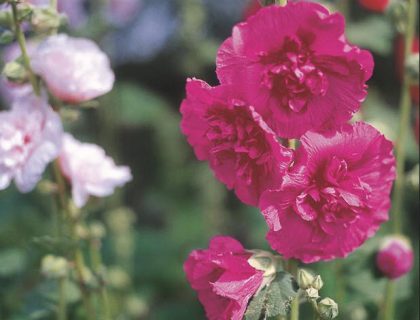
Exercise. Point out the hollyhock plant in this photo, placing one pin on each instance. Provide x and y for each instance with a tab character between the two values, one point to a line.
89	170
30	138
296	67
399	55
242	151
223	278
84	71
395	257
334	197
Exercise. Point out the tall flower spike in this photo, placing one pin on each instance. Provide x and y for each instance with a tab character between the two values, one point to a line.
74	69
240	148
90	171
334	197
30	138
223	278
296	68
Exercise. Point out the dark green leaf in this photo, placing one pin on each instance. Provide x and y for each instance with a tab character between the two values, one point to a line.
275	299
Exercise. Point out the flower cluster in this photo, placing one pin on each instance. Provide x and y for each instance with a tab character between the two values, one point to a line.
74	71
287	72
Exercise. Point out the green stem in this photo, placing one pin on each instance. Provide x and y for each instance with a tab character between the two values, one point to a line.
62	315
22	44
340	289
53	4
405	108
294	311
80	266
388	308
96	257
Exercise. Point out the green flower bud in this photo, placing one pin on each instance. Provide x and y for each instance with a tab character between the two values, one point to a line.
45	20
97	230
305	279
328	309
54	267
317	283
15	72
312	293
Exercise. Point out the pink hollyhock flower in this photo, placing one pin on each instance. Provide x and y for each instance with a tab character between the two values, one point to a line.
296	67
74	69
30	138
223	278
242	151
90	171
334	197
395	257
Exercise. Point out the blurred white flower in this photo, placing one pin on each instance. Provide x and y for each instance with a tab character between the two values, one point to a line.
74	69
30	138
90	171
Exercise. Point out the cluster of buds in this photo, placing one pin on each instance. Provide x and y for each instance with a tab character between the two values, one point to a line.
310	283
54	267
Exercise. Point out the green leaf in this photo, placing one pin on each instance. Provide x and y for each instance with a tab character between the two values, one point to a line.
273	300
6	37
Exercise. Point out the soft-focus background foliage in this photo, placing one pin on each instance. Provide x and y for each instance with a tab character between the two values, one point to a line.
174	203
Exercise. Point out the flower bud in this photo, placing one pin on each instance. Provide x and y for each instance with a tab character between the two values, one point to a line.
263	261
305	279
54	267
328	309
45	20
81	232
97	230
375	5
312	293
317	283
15	72
395	256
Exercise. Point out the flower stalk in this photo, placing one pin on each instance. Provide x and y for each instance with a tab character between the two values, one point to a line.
62	313
388	307
22	44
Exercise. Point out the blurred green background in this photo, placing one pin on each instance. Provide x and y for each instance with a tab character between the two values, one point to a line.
174	204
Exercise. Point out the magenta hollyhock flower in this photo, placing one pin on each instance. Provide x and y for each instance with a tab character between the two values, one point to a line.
89	170
223	278
334	197
242	151
296	67
74	69
30	138
395	257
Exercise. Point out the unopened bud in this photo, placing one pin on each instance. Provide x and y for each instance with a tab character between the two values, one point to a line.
328	309
317	283
15	72
117	278
46	19
136	307
312	293
54	267
263	261
305	279
97	230
398	12
81	232
395	257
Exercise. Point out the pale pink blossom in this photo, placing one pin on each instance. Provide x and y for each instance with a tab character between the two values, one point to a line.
74	69
90	171
30	138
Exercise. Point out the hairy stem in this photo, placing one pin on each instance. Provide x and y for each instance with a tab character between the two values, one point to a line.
22	44
294	311
62	315
96	257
